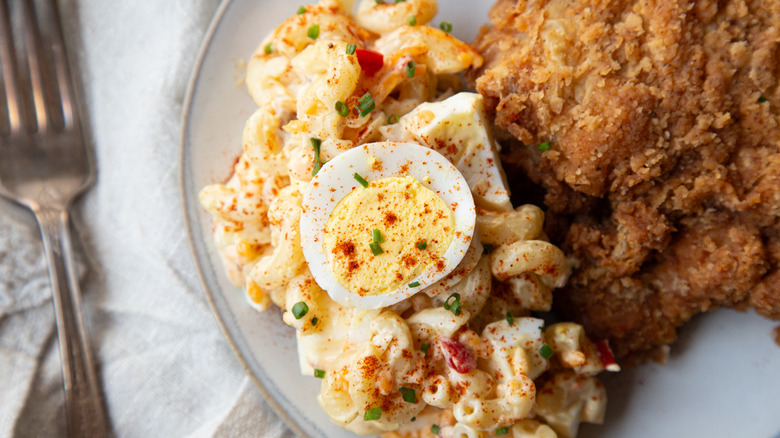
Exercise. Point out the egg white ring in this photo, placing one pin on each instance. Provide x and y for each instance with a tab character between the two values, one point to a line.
335	180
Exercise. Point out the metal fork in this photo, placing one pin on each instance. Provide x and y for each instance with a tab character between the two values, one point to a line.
45	162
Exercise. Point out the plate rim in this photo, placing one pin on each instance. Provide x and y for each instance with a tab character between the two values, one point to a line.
187	208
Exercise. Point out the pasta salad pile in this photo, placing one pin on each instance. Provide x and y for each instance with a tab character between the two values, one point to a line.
456	354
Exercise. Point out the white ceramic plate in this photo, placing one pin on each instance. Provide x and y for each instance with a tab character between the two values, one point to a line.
723	377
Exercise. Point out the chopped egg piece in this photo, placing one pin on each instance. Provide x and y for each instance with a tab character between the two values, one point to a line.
458	128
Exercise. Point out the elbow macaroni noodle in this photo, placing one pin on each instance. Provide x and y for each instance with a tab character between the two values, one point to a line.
383	19
471	373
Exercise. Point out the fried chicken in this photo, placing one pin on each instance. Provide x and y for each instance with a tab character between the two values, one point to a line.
663	168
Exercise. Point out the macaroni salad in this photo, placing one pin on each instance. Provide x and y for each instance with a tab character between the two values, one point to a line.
370	205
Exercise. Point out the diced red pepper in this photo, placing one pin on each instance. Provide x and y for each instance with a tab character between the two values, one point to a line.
458	356
371	62
606	356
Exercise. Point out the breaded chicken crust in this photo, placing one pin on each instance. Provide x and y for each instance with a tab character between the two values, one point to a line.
663	168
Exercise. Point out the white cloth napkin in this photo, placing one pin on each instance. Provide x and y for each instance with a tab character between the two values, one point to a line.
165	367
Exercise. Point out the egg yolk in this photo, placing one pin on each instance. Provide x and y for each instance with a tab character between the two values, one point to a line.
411	226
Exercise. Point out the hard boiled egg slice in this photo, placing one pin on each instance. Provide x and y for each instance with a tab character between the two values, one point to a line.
382	221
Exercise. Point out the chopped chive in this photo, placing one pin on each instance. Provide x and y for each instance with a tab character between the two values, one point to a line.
487	248
314	321
400	1
393	119
372	414
408	394
446	26
375	248
360	179
366	104
342	109
502	431
761	99
315	144
268	49
414	284
412	21
546	352
379	2
546	146
314	31
510	318
452	303
544	327
424	348
435	429
377	236
319	374
410	69
351	49
413	419
301	10
422	245
451	299
300	309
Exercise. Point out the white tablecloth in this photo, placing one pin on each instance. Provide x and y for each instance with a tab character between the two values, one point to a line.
165	367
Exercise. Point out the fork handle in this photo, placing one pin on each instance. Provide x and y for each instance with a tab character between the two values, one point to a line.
86	415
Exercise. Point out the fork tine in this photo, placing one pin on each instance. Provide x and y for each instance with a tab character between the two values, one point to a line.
10	79
35	62
62	69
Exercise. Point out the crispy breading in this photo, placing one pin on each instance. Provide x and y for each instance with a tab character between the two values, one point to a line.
664	123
